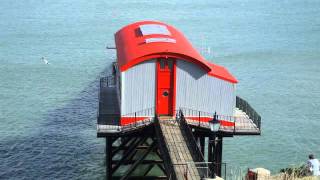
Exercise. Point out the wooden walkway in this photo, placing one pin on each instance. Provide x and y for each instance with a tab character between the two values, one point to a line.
179	152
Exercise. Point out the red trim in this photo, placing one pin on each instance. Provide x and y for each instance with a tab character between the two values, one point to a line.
174	87
132	50
128	120
221	73
156	85
206	119
163	81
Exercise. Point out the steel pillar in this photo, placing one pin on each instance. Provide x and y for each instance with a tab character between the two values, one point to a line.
218	155
215	154
202	144
109	142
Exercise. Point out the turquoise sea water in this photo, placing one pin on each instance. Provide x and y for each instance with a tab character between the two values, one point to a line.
48	112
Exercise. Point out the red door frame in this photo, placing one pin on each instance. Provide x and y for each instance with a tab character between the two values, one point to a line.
172	86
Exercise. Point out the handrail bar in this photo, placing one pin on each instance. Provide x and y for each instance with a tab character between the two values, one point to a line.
147	112
109	80
244	106
169	166
196	153
197	116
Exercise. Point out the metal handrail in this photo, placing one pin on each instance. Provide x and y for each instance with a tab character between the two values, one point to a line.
196	153
137	124
107	81
197	116
200	114
147	112
244	106
169	167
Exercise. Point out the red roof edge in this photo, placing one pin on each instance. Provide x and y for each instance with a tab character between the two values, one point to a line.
132	50
221	73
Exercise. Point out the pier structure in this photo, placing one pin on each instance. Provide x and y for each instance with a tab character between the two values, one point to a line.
157	108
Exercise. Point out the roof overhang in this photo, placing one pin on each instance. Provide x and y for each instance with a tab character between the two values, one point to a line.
145	40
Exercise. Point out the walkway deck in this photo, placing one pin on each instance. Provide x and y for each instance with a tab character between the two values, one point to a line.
178	149
243	125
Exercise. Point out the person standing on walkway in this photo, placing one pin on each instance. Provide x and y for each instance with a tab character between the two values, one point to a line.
313	165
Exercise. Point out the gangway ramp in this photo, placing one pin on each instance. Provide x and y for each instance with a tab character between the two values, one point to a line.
180	155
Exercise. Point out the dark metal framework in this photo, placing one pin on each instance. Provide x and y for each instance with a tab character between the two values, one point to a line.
130	150
140	148
137	152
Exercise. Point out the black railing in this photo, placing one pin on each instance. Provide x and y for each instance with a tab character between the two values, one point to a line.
148	112
108	114
107	81
195	151
244	106
231	124
140	118
169	167
197	119
197	115
138	124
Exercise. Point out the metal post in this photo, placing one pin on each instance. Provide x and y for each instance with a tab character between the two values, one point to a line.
234	125
214	156
199	118
210	155
202	142
135	119
218	155
108	158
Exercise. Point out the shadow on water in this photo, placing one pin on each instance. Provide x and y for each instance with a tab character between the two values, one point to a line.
66	146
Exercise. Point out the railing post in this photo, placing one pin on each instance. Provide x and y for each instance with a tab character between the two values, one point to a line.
234	125
199	118
135	119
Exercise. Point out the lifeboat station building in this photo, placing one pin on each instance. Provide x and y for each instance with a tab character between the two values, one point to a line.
160	78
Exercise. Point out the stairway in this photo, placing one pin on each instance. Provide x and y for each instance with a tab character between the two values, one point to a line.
180	155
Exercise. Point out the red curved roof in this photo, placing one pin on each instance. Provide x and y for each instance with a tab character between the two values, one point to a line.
133	48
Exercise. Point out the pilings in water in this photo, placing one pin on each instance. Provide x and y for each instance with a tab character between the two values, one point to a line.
136	155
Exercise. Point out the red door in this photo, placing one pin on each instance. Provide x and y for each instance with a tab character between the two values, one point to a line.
165	86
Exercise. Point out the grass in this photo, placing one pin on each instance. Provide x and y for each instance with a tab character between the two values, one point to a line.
294	173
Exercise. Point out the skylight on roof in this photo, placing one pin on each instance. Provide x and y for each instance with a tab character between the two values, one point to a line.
148	29
168	40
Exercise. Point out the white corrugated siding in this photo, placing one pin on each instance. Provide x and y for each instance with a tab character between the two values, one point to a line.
138	88
198	91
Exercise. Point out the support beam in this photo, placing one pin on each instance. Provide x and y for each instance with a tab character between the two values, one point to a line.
109	142
129	153
202	143
210	155
135	165
161	166
118	148
210	147
218	155
148	169
141	177
121	146
127	162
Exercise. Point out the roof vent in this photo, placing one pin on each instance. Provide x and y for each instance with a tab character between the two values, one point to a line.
168	40
148	29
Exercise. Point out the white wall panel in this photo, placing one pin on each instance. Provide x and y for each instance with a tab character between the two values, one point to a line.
138	88
199	91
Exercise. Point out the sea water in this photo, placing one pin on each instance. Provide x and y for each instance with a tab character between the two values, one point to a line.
48	111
